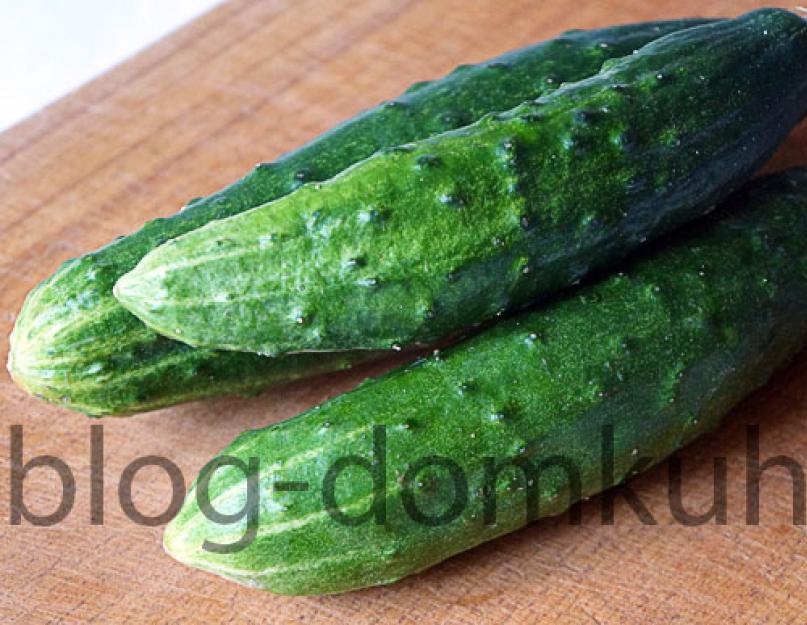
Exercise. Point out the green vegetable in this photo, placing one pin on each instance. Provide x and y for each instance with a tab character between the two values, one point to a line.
76	346
422	241
645	360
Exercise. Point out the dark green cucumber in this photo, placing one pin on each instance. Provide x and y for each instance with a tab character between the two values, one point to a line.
645	360
419	242
76	346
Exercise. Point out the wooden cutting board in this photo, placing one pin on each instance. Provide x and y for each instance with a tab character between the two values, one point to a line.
243	84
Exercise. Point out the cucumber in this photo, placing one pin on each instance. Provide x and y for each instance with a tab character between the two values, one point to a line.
422	241
75	346
645	360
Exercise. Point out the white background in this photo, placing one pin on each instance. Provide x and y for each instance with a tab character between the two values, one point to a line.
50	47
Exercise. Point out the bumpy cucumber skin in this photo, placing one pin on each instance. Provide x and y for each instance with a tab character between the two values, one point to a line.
74	345
420	242
660	352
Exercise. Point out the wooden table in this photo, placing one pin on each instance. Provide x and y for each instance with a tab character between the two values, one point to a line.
242	84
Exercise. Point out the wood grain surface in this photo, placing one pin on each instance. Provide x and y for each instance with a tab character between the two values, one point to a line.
243	84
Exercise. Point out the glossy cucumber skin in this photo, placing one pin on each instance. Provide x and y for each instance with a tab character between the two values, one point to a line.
423	241
74	345
658	352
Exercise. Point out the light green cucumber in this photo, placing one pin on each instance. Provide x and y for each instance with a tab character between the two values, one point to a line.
74	345
420	242
643	362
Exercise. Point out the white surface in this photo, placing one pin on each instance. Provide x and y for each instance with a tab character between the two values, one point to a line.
50	47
